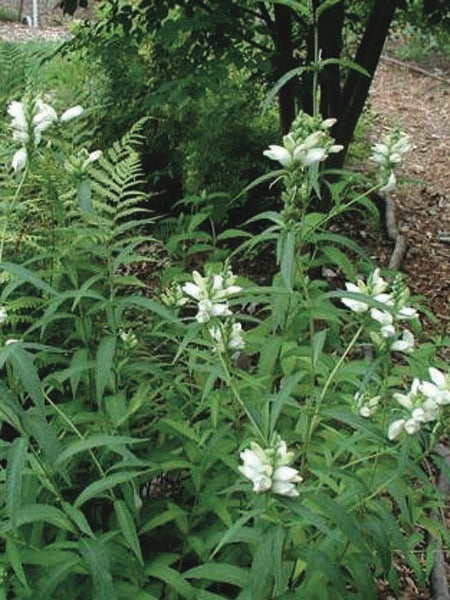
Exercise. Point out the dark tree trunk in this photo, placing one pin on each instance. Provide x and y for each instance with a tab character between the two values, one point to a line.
357	85
331	23
284	62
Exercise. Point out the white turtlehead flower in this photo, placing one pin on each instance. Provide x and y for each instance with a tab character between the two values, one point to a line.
257	467
311	156
366	405
269	469
236	341
405	343
211	293
327	123
44	116
420	410
16	110
3	315
19	160
386	321
280	154
284	480
375	288
406	312
438	389
390	184
355	305
91	157
207	309
71	113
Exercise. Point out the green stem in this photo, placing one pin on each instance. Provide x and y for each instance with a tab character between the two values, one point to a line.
78	433
236	394
10	210
318	404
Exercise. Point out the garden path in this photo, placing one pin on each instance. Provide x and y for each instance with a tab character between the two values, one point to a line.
420	105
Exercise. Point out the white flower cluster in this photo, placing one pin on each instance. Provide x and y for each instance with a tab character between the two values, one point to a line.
304	150
377	288
387	154
269	469
30	118
366	404
422	404
77	164
3	315
211	294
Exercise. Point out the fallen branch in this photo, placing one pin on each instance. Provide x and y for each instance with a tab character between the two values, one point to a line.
400	241
438	575
415	68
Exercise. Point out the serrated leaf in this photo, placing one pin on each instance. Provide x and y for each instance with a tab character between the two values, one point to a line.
95	441
84	195
25	371
78	518
183	430
102	485
45	513
96	559
14	559
53	578
173	579
128	528
14	472
173	513
221	573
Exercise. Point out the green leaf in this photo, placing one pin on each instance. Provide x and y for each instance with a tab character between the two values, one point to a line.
14	559
184	430
95	441
26	276
128	528
286	258
104	365
37	426
173	513
268	565
45	513
345	62
84	194
338	258
78	518
317	344
107	483
324	6
79	366
221	573
283	80
340	518
172	578
51	580
148	305
25	371
14	472
96	559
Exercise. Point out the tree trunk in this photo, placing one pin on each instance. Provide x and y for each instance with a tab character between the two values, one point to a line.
283	62
331	23
357	85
